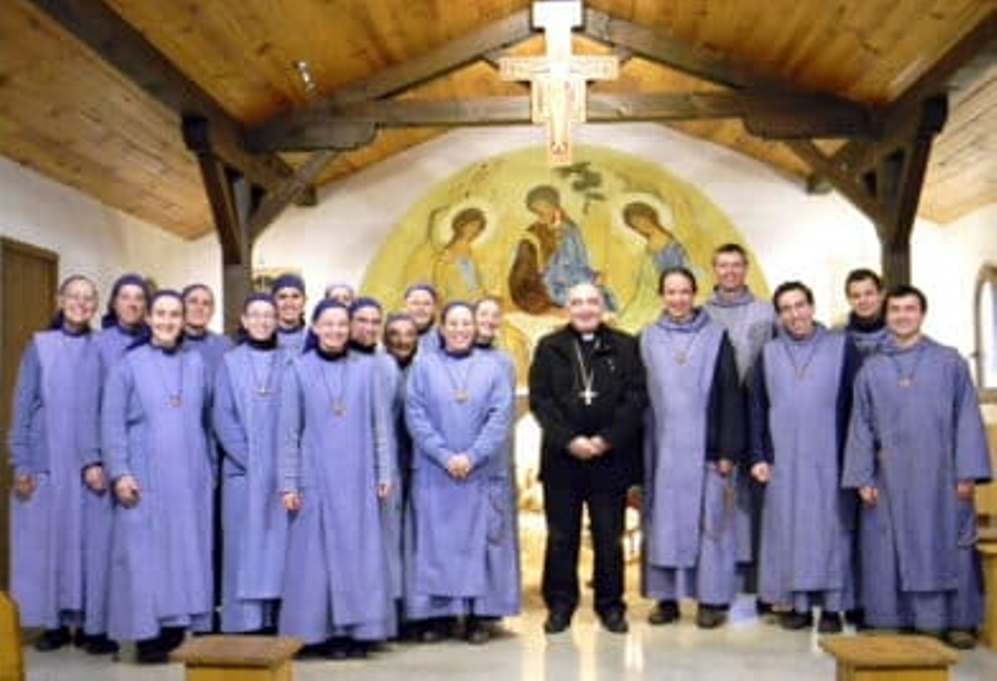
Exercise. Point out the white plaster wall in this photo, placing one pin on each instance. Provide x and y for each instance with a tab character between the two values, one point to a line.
946	262
93	239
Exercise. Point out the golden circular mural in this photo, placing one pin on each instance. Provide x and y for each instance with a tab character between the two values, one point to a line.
514	228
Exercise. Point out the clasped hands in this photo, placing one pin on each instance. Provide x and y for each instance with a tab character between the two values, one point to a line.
586	448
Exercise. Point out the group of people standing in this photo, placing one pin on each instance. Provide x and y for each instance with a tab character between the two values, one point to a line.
308	481
302	474
823	469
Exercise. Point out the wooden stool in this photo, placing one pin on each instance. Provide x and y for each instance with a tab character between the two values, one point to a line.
889	658
252	658
11	655
988	553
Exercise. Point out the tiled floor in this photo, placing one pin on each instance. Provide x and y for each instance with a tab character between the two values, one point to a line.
745	648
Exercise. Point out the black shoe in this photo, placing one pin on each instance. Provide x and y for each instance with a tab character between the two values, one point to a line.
151	651
478	632
855	617
664	612
557	621
337	648
100	645
52	639
80	638
311	650
358	650
795	621
435	630
710	616
960	639
830	623
762	608
614	621
173	637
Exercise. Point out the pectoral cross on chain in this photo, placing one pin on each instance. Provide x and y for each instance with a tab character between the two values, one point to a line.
588	395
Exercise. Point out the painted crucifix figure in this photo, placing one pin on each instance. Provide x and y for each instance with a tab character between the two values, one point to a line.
558	78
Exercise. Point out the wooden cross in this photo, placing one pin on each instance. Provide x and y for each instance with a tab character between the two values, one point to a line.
558	79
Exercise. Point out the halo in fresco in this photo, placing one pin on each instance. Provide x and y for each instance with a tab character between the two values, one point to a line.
516	229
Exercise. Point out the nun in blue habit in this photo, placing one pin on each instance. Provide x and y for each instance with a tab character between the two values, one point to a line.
122	326
458	406
154	422
199	304
245	412
695	437
421	301
366	317
53	437
288	292
506	588
335	472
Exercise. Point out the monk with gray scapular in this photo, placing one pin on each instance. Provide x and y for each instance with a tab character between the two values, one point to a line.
916	450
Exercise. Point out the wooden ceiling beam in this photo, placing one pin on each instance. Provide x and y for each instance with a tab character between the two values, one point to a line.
395	80
860	155
887	188
659	47
119	44
768	115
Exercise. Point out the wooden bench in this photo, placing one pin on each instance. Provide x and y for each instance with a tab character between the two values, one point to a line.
889	658
238	658
988	554
11	655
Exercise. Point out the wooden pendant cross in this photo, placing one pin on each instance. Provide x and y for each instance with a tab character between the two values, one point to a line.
558	78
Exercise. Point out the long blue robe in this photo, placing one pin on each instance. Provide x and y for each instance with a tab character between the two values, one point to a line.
505	586
292	340
392	508
750	323
112	343
451	523
53	435
868	341
688	506
245	410
914	444
336	579
161	573
799	427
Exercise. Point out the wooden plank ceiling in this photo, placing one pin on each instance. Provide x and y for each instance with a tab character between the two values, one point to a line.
72	117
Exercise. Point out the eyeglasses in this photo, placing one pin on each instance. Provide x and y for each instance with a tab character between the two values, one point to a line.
261	316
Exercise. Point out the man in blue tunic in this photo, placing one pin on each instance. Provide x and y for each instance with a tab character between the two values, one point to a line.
916	450
749	322
695	435
866	326
801	400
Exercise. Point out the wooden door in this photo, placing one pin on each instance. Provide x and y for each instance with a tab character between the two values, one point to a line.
28	282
